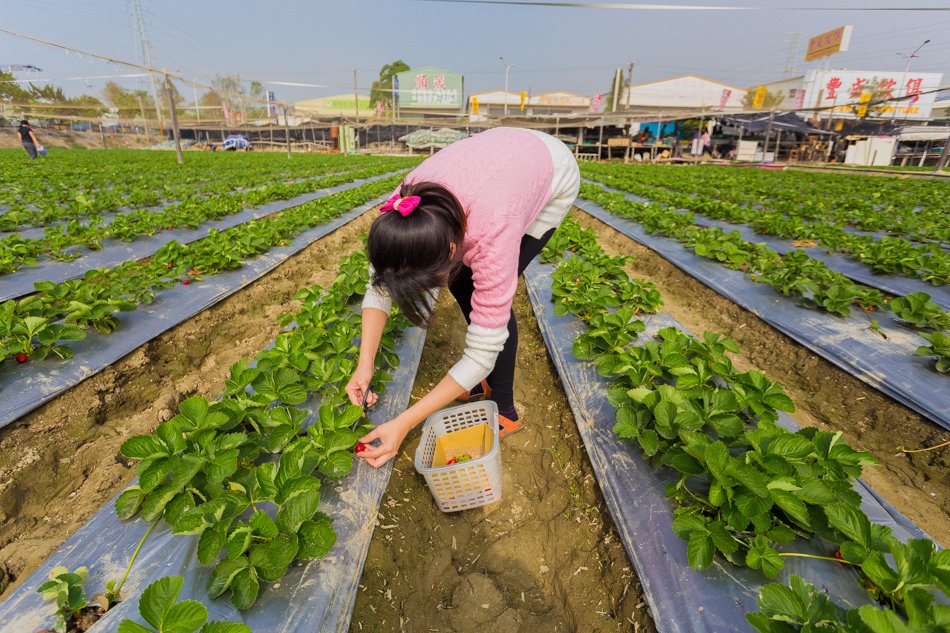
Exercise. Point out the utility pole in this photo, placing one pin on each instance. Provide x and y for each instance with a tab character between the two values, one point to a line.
145	52
356	94
171	108
287	128
142	112
507	68
613	107
194	89
626	104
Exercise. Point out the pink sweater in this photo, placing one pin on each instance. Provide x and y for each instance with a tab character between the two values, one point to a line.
503	179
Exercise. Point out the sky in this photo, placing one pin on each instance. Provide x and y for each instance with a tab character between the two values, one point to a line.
552	48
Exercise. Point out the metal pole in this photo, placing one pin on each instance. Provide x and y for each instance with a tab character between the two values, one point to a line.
175	132
507	68
197	109
626	104
287	129
356	95
144	120
768	133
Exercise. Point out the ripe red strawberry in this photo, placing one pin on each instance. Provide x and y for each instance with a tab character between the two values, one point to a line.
186	281
837	555
169	265
22	358
870	308
360	447
451	462
171	228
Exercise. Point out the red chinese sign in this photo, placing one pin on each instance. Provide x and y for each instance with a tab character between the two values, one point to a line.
832	88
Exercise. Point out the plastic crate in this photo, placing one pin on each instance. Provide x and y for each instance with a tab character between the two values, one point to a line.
468	484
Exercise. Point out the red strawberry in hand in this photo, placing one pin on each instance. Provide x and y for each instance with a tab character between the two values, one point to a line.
22	358
360	447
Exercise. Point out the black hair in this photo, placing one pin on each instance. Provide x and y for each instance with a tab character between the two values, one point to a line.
24	122
417	253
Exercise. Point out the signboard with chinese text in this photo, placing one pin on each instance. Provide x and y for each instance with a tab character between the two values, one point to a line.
843	90
429	88
759	100
835	41
724	99
597	103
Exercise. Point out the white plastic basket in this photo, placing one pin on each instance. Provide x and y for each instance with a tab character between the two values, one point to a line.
468	484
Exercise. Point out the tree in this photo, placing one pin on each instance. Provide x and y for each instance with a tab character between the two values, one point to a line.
128	102
11	92
232	91
382	87
82	106
772	100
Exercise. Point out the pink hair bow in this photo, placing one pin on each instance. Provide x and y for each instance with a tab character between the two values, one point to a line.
404	206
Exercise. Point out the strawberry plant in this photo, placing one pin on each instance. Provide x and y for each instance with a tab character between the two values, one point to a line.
939	347
744	483
917	309
206	473
94	300
161	610
64	588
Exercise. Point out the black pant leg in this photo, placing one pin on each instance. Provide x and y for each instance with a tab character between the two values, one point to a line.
502	378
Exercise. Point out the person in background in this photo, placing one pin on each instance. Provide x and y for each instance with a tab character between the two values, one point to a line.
471	217
27	138
707	142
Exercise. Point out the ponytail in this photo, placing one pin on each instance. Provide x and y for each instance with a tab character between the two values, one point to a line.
416	253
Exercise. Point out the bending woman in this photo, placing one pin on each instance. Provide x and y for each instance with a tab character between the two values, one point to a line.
472	217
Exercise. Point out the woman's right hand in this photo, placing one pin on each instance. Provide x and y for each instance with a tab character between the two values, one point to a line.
359	384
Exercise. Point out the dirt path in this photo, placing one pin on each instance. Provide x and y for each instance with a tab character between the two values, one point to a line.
61	463
544	558
827	397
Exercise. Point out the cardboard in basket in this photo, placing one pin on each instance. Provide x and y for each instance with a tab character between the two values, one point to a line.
475	441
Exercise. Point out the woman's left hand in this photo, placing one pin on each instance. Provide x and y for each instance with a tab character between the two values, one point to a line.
390	436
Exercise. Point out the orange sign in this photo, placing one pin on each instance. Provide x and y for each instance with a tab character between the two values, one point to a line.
829	43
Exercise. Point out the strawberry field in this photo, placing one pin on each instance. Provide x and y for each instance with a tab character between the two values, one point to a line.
734	380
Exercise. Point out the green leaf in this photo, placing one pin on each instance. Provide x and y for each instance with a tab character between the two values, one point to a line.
752	506
882	621
143	447
262	525
882	574
297	510
700	550
127	504
224	573
129	626
337	465
272	559
317	538
776	599
185	617
794	507
210	545
750	477
850	521
239	541
244	589
158	598
649	442
225	627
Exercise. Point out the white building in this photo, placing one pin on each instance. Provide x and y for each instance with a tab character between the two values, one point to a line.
686	93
